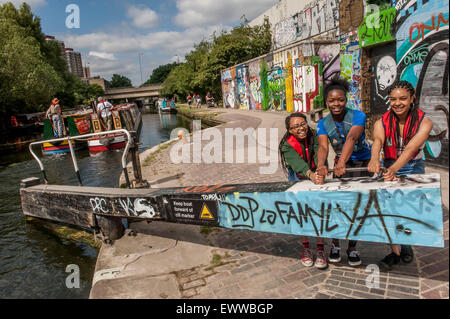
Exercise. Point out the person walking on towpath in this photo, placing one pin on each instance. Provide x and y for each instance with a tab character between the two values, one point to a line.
104	111
344	128
298	154
189	99
54	113
401	133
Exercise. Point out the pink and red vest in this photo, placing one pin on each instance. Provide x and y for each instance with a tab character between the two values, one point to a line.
390	147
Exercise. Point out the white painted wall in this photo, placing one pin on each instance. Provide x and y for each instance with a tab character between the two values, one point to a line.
282	10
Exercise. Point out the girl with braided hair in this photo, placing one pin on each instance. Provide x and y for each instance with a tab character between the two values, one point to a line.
298	149
401	133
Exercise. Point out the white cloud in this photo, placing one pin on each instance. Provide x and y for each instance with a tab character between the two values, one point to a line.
103	55
117	53
127	66
106	68
33	3
142	17
172	41
209	12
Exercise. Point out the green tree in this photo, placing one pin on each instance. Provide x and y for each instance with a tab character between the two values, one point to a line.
120	81
31	25
160	73
28	82
202	70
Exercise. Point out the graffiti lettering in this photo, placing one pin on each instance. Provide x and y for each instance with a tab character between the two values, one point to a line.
358	209
376	28
217	197
139	208
331	218
422	27
417	55
99	205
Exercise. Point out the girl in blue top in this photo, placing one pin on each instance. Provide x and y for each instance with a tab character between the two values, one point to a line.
344	128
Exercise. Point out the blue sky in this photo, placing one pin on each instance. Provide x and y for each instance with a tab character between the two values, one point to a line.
112	33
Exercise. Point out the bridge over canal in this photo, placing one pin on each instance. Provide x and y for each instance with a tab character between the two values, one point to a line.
148	91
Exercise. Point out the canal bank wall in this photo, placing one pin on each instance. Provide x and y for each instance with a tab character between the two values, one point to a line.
166	260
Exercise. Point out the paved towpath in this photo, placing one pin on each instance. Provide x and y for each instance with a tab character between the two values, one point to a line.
166	260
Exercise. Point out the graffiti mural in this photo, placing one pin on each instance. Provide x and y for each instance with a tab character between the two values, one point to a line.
362	209
329	54
242	86
284	32
277	90
264	86
385	71
228	88
350	59
289	85
422	38
377	28
308	86
317	18
254	86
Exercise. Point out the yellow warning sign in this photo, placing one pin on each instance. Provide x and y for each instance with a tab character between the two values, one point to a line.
206	214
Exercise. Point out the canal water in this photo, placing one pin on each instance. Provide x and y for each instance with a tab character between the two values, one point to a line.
33	261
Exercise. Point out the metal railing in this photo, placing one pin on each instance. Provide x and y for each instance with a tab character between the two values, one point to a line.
72	153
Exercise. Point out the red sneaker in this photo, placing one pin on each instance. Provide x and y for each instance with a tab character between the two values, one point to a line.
307	257
321	260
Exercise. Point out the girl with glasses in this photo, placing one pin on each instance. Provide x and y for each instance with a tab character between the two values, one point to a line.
298	154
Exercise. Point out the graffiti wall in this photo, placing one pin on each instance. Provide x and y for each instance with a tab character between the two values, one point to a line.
277	91
255	93
242	87
360	210
422	47
318	17
289	85
285	32
264	86
307	85
329	55
228	88
350	58
384	68
406	39
377	28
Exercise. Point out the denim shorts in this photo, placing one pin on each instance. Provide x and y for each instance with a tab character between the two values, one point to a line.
412	167
292	176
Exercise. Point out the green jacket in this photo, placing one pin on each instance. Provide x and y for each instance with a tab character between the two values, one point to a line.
295	161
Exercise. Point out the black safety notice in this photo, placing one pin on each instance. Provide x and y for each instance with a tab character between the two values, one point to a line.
194	211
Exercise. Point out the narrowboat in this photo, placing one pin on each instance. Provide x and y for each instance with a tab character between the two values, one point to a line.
125	116
167	106
75	123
